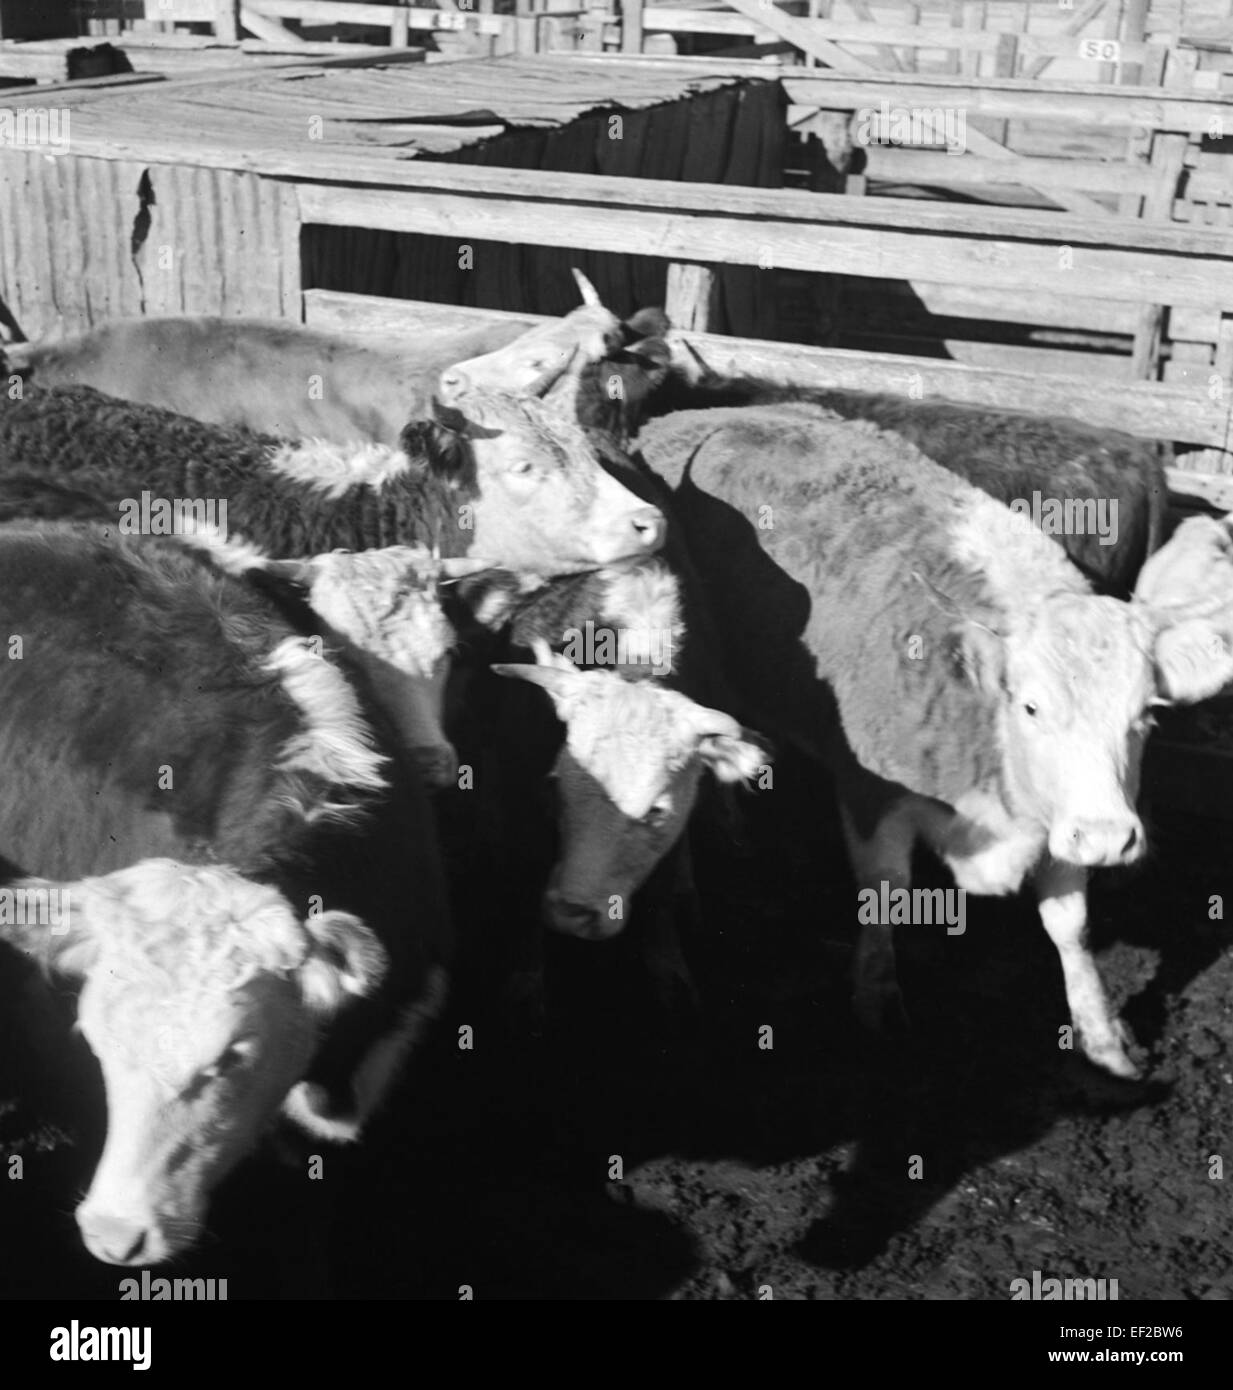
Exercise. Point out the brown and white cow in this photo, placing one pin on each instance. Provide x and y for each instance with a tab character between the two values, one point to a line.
280	379
952	667
216	837
627	776
512	480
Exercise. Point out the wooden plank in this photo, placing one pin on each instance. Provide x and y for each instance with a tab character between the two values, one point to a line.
631	26
1168	158
690	295
1147	409
324	165
1074	26
1195	325
264	27
326	11
714	236
804	34
914	165
1037	309
227	20
1134	30
1015	98
885	52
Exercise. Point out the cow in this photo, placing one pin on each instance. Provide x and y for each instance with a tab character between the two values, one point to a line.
281	379
1101	493
408	620
1192	576
512	480
952	667
627	776
251	887
589	339
388	611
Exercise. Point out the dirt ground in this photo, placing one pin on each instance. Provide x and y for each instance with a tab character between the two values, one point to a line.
742	1168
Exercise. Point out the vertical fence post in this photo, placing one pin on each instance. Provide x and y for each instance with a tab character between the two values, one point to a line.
631	26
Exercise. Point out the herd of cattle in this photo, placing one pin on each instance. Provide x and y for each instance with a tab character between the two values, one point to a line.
227	748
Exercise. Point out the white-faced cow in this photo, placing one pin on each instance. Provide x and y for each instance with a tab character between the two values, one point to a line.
514	481
637	741
952	667
215	841
280	379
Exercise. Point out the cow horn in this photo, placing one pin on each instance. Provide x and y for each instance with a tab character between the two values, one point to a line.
560	684
302	571
461	566
590	295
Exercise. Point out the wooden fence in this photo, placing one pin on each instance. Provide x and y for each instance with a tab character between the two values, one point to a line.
1153	413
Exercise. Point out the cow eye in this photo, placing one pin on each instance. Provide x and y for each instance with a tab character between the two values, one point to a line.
1030	706
657	816
521	468
234	1056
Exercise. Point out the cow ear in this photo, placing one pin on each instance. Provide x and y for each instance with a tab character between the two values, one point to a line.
733	753
1193	661
734	758
646	323
980	654
345	960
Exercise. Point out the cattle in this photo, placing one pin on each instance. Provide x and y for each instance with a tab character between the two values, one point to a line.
247	880
952	667
628	776
648	679
514	481
1191	576
402	617
588	339
280	379
388	612
1100	493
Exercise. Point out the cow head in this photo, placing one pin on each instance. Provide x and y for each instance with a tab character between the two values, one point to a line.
532	494
1076	679
203	995
1074	683
627	779
532	363
1187	587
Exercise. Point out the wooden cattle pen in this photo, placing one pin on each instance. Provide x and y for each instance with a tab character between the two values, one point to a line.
1024	205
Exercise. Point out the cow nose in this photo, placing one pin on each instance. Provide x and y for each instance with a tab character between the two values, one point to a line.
649	525
577	919
115	1240
451	384
1100	843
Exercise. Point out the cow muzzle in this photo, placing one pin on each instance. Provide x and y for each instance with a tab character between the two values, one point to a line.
578	919
635	535
120	1240
1099	843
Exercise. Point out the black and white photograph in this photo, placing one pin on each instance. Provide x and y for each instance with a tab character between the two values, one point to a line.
616	661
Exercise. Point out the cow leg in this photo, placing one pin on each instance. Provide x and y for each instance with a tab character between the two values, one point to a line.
884	856
1062	897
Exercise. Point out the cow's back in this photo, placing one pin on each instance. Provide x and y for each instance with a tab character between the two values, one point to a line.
270	377
135	688
835	552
